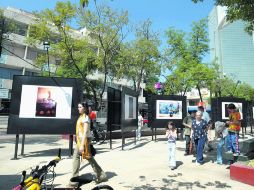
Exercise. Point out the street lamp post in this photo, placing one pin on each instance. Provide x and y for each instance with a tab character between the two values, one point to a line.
237	83
46	45
159	87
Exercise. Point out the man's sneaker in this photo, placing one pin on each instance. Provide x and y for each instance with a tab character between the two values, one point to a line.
229	152
73	184
219	162
199	163
101	178
236	154
173	168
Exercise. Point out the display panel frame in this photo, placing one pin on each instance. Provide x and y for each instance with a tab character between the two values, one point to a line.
44	125
154	122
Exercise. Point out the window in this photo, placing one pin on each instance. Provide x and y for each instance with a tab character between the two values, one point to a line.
31	54
8	73
17	27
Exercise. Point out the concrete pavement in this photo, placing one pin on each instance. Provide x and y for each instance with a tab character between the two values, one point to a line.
141	166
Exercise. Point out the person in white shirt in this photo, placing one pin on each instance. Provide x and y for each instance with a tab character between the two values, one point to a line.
140	125
171	138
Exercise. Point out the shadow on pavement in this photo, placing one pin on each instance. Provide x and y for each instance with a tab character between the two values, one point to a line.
172	184
31	139
49	152
110	174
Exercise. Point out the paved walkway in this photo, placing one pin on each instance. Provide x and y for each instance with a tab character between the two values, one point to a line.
142	166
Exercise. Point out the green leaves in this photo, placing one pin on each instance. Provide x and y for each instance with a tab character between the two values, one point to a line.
184	59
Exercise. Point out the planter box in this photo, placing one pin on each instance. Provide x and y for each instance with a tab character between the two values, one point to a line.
242	173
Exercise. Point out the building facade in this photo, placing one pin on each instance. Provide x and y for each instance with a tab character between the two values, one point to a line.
231	46
17	58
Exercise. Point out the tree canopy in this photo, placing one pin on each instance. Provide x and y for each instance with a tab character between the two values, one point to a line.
184	55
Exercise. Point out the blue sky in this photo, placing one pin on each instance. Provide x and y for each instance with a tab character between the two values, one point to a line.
163	13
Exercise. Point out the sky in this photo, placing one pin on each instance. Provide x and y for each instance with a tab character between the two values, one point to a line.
163	13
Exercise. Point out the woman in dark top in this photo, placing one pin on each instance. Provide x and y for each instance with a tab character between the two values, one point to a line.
199	135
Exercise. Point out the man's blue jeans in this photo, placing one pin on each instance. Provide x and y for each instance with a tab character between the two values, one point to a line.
199	144
232	142
219	150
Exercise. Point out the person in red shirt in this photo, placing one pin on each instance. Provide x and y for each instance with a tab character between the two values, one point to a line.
92	117
234	126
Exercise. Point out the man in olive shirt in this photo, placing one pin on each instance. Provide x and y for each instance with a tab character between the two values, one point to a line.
187	122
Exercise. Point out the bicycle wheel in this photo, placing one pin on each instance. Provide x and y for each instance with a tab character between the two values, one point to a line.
102	135
102	187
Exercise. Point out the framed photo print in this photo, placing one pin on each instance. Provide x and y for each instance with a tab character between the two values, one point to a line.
130	107
44	105
45	102
169	109
224	105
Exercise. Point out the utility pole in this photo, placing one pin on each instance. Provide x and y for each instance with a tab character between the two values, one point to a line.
1	34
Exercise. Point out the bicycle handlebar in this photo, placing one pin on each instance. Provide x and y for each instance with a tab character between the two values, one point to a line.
38	173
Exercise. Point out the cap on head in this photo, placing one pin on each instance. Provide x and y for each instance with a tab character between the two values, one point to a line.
201	107
231	106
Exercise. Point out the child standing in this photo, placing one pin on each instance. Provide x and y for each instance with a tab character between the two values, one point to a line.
171	136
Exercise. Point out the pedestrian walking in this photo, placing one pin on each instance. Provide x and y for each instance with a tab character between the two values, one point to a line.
199	127
171	138
82	150
140	125
207	118
187	122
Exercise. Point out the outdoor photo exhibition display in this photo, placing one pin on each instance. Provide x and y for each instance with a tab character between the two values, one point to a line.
129	109
220	112
45	102
169	109
224	105
162	109
44	105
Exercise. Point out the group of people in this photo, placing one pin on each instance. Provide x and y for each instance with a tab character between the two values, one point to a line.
197	133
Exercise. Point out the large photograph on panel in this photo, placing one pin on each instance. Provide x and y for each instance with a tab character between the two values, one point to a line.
114	109
44	105
220	111
169	109
45	102
129	109
225	113
164	108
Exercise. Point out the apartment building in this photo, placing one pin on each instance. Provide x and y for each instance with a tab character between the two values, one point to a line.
17	58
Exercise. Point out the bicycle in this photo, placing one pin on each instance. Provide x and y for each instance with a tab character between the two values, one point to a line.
98	133
37	179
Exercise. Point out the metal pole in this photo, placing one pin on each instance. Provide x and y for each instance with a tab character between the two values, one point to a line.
23	143
16	147
70	145
110	137
152	133
155	134
48	59
23	136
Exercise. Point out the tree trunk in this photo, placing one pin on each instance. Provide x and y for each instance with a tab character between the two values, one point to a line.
199	92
